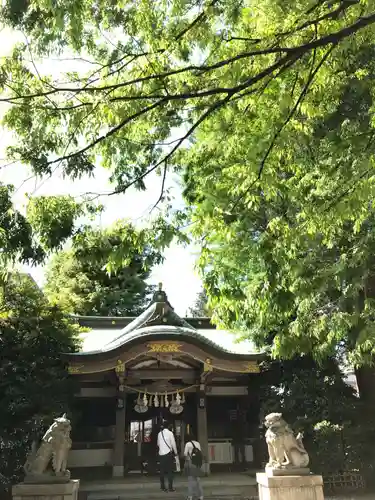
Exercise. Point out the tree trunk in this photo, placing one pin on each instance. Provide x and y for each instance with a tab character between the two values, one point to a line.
366	386
366	374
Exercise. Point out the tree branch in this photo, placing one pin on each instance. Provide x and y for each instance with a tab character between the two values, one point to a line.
196	21
108	134
289	51
165	168
302	95
214	107
289	59
343	5
288	56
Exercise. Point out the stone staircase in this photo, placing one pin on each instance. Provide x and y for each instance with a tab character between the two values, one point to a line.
226	486
216	487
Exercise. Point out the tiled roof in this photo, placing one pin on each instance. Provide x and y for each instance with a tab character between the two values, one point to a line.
158	320
104	340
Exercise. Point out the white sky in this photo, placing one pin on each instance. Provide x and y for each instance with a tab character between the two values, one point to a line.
177	274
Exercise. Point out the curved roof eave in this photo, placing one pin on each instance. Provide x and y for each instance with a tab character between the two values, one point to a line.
165	333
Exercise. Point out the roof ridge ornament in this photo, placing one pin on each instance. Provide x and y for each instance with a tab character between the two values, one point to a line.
160	295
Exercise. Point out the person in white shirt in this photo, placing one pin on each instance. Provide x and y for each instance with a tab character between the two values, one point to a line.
167	452
193	471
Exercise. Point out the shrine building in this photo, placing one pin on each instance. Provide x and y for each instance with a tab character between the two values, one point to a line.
134	372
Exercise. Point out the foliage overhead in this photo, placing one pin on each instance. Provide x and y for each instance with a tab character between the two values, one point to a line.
16	236
290	257
155	66
200	308
34	384
266	108
78	281
48	223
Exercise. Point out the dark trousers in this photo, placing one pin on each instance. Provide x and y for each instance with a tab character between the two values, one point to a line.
166	469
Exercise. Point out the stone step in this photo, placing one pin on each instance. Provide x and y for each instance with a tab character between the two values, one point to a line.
182	497
229	492
174	496
152	492
237	482
224	486
122	495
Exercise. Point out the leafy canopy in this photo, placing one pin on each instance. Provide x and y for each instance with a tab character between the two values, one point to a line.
48	222
78	281
266	109
288	255
153	67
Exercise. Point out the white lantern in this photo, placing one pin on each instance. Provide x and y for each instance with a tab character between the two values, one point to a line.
176	409
141	408
156	401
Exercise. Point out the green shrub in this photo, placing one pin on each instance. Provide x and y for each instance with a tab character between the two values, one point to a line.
327	448
34	382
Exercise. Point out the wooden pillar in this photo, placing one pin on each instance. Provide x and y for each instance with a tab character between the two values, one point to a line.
256	385
119	443
202	427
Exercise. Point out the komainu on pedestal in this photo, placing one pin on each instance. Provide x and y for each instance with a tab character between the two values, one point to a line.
46	473
48	462
286	452
287	476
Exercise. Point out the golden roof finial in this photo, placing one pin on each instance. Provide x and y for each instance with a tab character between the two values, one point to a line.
160	286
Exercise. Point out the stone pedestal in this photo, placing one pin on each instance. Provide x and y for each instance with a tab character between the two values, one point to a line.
295	471
290	487
52	491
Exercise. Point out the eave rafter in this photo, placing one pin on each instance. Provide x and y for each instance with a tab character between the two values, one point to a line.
138	351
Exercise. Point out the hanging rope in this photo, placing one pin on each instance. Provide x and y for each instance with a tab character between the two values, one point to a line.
160	393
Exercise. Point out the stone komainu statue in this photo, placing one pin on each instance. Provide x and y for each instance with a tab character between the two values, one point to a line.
53	451
285	450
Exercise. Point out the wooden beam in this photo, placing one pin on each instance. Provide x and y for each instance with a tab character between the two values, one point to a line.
103	362
206	377
160	374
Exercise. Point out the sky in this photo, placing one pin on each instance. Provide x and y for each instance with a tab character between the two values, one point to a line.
177	273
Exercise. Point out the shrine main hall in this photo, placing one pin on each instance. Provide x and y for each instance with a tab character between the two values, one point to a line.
132	373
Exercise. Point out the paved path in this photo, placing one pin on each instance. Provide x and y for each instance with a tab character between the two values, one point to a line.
351	496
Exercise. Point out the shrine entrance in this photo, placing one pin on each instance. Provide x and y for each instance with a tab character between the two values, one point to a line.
161	366
140	452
